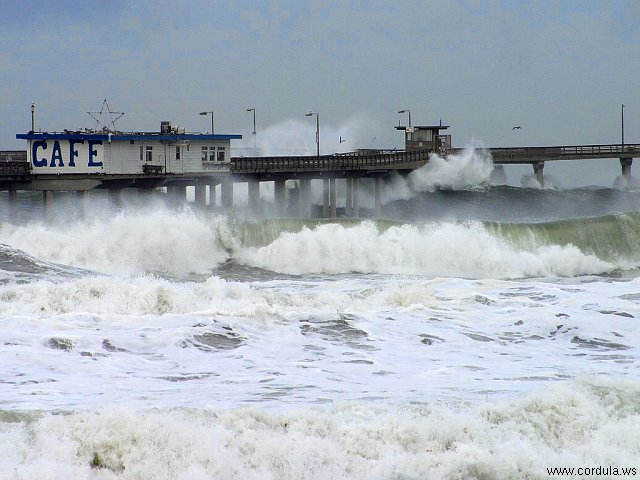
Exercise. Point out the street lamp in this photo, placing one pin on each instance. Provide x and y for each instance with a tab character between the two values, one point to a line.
310	114
252	109
207	113
33	123
406	111
622	121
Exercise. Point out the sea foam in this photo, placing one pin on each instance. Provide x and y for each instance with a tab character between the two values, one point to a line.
586	423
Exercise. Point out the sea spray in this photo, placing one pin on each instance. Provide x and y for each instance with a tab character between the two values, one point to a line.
468	169
297	137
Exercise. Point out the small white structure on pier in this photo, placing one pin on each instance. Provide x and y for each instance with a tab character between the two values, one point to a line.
169	151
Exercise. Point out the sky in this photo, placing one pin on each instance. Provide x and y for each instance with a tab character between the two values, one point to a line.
559	69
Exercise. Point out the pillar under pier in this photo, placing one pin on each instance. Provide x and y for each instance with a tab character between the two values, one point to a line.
200	195
356	198
116	196
377	192
47	205
538	171
253	187
305	198
13	206
280	197
332	198
212	195
227	194
145	194
325	198
348	208
626	168
82	197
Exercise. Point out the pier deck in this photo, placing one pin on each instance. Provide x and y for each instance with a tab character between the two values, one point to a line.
354	168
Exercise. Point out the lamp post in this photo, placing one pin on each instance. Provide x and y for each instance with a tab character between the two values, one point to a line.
406	111
252	109
622	122
310	114
33	122
207	113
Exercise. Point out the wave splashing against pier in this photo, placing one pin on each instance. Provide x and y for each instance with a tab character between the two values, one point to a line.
467	170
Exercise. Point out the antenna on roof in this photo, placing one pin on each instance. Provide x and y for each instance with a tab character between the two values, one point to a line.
101	120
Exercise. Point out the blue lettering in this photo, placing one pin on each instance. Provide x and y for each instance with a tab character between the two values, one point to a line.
73	152
34	153
56	154
93	153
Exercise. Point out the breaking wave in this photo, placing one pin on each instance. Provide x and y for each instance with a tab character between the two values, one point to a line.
183	243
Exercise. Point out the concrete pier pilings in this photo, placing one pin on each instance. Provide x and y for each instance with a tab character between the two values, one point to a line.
227	194
212	195
538	171
356	198
116	197
253	188
200	192
377	193
348	207
325	198
280	198
304	199
332	198
296	200
47	205
626	168
13	206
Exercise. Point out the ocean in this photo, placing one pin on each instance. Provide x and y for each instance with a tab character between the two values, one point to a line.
475	332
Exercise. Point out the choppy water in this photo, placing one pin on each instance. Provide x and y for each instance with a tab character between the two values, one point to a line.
482	333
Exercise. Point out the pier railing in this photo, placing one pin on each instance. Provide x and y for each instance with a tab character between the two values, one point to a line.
13	156
338	162
14	170
570	152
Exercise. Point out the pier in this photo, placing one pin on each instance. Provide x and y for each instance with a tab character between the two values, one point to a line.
175	160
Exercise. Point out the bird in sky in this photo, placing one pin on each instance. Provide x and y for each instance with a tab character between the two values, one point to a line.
517	127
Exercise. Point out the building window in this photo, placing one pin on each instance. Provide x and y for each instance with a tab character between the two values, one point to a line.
204	153
141	156
148	154
221	151
178	152
212	154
